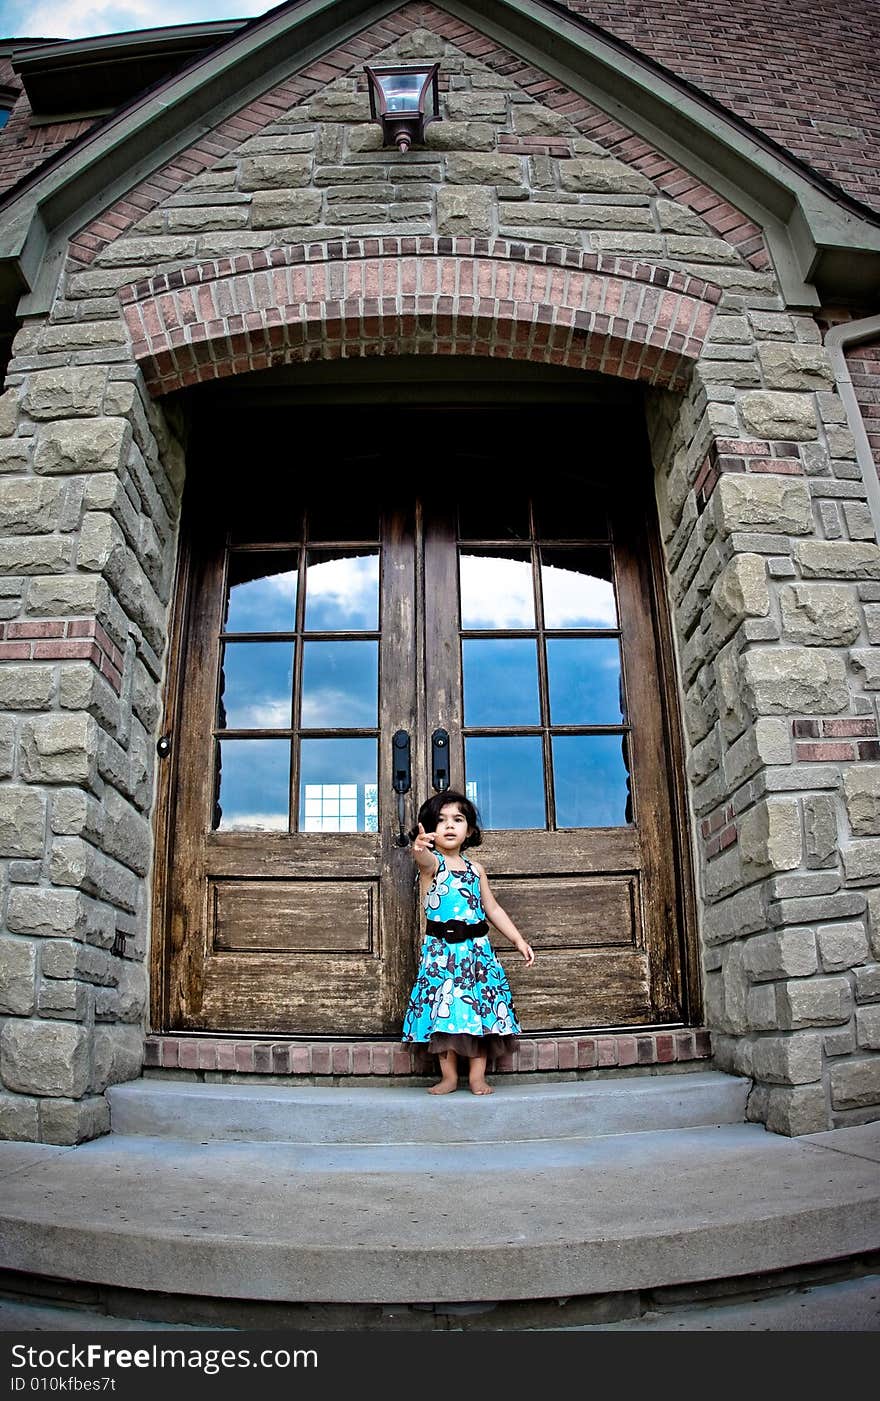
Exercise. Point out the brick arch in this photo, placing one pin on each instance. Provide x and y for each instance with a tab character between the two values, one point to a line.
417	296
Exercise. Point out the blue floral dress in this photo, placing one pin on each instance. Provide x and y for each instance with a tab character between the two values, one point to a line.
461	999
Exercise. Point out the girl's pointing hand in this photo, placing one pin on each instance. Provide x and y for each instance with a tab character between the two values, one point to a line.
424	841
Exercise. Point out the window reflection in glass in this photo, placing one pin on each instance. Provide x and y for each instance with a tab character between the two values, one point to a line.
575	511
505	778
591	780
334	774
500	682
496	590
585	681
342	592
340	688
252	785
261	591
577	588
256	686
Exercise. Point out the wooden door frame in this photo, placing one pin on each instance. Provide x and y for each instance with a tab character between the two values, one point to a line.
180	624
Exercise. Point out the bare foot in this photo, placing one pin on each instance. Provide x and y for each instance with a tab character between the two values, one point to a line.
444	1087
480	1087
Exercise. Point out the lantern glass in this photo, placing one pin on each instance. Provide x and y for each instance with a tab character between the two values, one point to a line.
401	91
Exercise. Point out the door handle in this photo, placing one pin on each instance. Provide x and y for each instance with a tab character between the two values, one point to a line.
440	760
401	778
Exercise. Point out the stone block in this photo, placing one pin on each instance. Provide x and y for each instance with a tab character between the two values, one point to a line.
127	833
464	209
59	748
838	559
855	1084
339	104
29	505
773	414
787	953
761	1007
820	830
861	787
22	821
867	659
740	592
859	521
732	708
765	742
818	615
601	175
801	1109
8	412
24	686
118	1055
478	168
70	596
19	1118
770	837
465	106
794	681
795	1059
40	554
18	976
807	1002
531	119
45	1057
868	1028
285	208
82	445
15	454
868	982
65	393
774	505
795	366
841	946
861	860
7	745
440	136
743	913
275	172
70	1121
66	998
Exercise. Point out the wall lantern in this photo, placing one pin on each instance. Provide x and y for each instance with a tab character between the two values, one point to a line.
403	101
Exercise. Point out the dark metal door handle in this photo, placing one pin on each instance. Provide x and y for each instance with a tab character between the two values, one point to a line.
401	778
440	760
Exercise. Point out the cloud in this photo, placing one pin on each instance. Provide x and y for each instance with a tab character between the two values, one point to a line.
78	19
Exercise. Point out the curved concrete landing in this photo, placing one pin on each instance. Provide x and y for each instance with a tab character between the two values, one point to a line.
405	1114
252	1221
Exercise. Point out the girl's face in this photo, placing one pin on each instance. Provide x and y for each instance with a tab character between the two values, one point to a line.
452	828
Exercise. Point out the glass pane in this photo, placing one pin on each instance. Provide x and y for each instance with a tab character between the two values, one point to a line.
501	682
262	592
338	787
591	777
585	681
496	590
253	783
577	587
486	514
342	592
340	688
256	686
576	511
505	778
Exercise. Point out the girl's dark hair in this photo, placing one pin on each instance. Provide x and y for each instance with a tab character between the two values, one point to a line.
429	815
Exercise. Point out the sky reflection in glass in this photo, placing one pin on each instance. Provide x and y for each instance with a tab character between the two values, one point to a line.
577	588
505	776
342	592
256	685
496	591
254	783
340	688
584	676
326	764
262	592
500	682
590	779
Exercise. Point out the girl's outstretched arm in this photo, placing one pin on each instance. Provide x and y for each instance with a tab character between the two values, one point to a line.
423	851
500	919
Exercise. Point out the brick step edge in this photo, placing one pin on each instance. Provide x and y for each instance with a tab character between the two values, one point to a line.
271	1057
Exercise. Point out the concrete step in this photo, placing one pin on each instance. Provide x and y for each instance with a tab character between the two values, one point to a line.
399	1115
616	1214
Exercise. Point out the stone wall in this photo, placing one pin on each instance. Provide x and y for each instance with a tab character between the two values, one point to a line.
774	575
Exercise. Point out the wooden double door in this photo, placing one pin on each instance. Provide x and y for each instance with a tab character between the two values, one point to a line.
501	623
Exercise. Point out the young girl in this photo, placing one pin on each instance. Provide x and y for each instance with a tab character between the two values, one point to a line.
460	1003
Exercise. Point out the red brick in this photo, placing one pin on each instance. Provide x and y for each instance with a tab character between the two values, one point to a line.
322	1061
606	1050
824	753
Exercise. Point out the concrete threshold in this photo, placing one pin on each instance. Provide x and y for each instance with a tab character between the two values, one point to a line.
605	1215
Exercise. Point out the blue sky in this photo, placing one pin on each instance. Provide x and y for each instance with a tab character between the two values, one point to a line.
77	19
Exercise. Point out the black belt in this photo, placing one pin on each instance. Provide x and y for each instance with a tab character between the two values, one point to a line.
455	931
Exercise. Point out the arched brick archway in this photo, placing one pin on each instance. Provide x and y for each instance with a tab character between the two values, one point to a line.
417	296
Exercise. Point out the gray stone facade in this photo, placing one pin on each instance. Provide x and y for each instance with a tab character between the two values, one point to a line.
773	581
